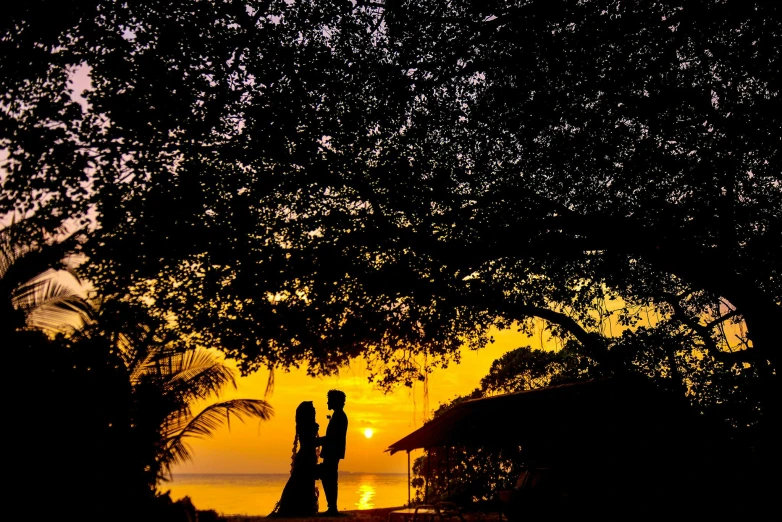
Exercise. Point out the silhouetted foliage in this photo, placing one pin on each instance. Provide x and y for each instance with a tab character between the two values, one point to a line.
39	288
472	476
305	182
602	462
117	389
37	301
120	398
310	181
134	387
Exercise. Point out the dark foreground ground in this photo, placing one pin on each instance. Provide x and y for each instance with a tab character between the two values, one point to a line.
365	515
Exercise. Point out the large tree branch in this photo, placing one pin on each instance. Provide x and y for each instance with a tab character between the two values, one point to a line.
593	343
564	232
705	333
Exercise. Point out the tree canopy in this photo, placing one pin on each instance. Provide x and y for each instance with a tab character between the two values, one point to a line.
304	182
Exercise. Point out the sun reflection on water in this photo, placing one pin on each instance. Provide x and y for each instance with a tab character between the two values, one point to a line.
366	499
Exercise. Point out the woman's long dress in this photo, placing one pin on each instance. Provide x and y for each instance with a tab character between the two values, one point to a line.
300	495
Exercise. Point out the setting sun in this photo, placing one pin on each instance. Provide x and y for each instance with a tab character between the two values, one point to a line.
368	432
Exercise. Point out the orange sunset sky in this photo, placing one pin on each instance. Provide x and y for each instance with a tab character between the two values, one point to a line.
266	447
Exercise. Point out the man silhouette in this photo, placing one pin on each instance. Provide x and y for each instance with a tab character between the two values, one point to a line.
333	449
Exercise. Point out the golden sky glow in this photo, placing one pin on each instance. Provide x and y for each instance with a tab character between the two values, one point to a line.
266	447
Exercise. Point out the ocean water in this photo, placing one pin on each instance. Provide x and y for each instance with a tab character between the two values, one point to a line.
256	494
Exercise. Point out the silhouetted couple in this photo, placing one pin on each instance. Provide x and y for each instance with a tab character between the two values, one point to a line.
300	495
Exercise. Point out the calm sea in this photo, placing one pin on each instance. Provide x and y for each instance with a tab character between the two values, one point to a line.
256	494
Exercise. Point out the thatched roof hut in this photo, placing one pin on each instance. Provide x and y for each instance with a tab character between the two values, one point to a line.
622	437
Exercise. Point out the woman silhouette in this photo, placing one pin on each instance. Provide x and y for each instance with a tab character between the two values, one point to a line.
300	494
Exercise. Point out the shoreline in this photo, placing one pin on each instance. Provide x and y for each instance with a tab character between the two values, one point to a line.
362	515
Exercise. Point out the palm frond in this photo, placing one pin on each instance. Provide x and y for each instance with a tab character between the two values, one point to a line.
208	421
51	304
43	287
196	374
66	314
182	377
177	452
176	421
22	259
128	353
143	349
34	280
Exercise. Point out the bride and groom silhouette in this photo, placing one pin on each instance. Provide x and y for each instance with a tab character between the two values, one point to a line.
300	494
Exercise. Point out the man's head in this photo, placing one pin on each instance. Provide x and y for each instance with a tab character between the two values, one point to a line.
335	399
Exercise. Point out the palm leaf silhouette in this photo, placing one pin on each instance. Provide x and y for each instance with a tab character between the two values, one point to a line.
207	421
38	287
